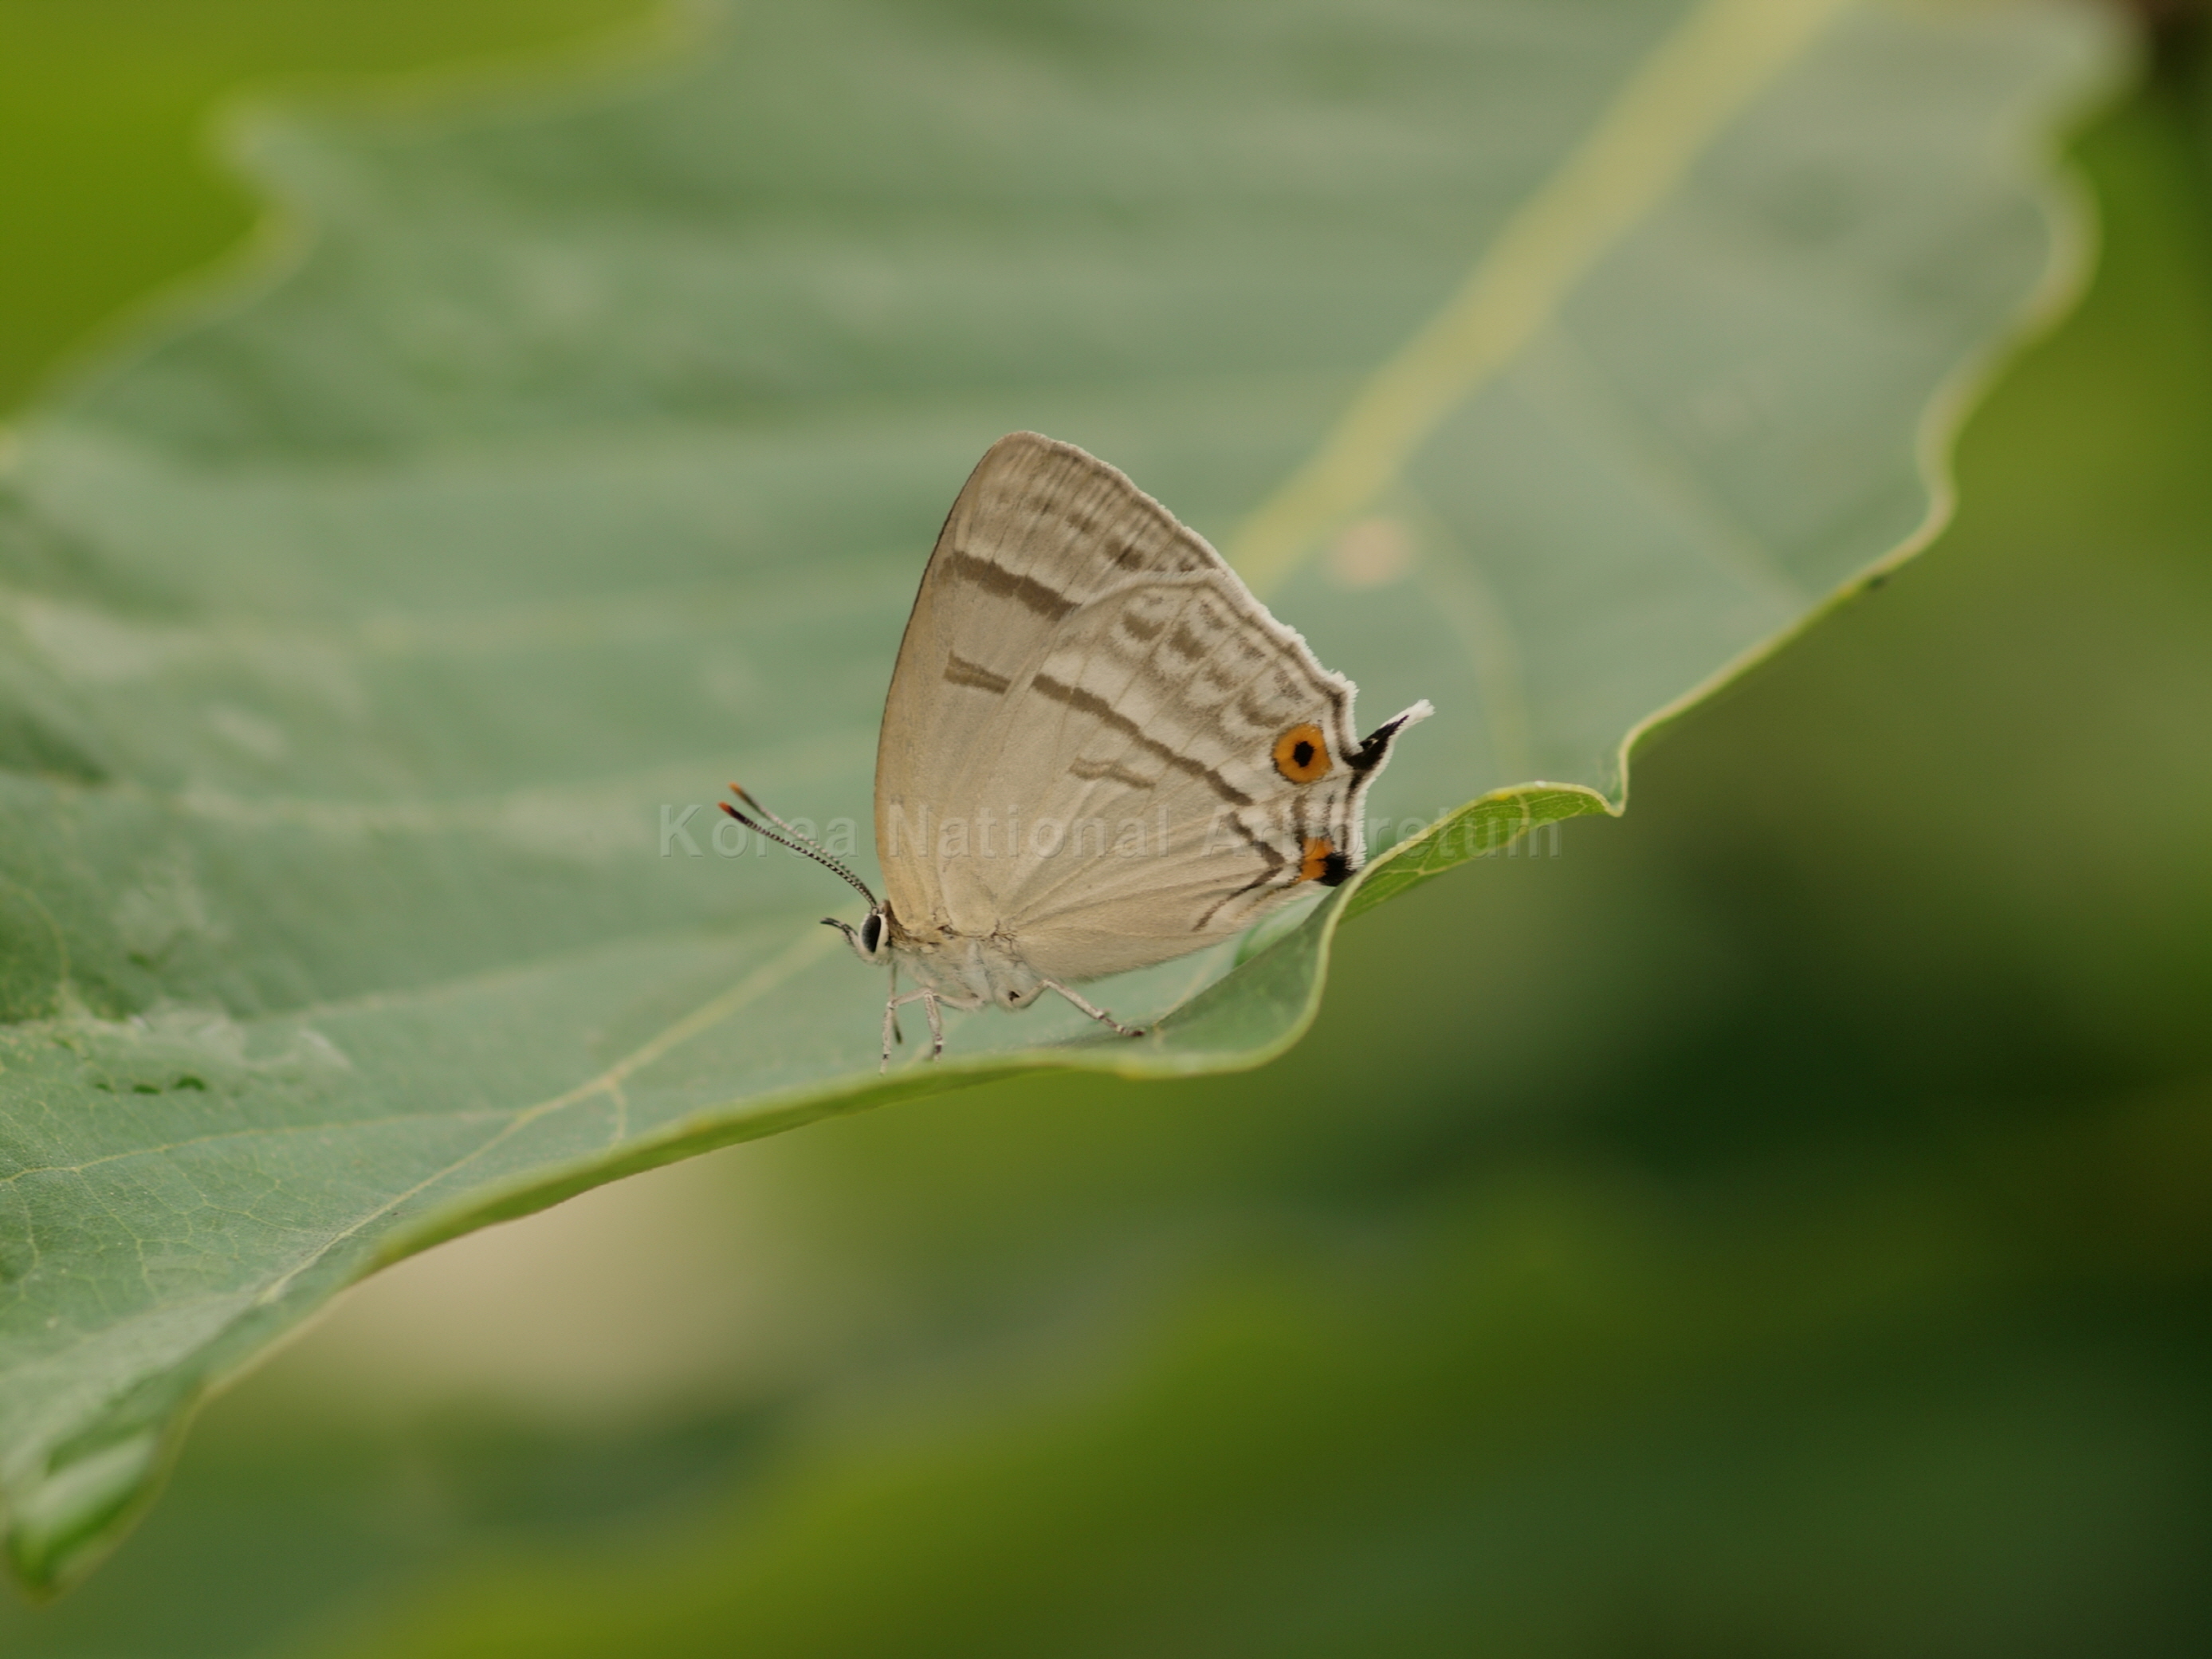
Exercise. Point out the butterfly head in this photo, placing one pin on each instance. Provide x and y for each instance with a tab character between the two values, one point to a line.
872	939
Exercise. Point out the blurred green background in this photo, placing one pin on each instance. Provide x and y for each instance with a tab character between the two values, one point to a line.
1779	1224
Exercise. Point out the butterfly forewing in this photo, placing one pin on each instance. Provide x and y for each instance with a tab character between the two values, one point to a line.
1039	529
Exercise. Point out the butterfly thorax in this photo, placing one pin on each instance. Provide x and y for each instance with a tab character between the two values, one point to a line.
966	970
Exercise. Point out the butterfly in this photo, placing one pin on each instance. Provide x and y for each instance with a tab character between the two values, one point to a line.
1099	750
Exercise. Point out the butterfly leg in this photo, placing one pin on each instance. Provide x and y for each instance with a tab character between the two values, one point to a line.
929	1006
928	999
1097	1014
891	1032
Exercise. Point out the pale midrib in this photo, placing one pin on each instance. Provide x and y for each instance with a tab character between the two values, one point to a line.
1693	82
795	959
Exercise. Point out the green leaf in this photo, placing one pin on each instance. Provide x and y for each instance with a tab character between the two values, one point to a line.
363	646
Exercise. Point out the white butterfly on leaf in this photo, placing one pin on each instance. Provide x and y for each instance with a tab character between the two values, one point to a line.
1099	751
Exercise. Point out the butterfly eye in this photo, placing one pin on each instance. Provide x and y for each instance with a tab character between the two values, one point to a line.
1302	754
871	932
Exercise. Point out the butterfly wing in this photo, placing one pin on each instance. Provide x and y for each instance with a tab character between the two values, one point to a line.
1039	530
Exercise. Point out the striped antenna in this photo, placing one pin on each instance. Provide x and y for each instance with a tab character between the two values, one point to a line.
801	844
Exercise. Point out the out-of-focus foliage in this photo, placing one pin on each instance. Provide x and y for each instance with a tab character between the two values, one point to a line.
106	186
1555	363
1777	1224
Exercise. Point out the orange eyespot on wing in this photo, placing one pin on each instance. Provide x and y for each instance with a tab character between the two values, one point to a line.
1318	850
1301	753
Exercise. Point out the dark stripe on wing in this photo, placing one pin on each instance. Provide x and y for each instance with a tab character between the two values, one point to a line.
1046	601
1276	865
1091	703
1139	628
958	671
1091	769
1186	644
